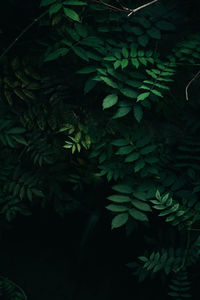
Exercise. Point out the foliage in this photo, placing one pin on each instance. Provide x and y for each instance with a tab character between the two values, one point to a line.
9	290
98	101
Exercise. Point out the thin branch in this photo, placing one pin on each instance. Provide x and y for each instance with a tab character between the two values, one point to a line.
193	79
133	11
108	5
126	9
22	33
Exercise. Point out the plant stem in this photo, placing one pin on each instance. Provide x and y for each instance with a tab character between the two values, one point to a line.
22	33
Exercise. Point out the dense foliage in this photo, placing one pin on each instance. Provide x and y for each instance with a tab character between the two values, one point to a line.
93	98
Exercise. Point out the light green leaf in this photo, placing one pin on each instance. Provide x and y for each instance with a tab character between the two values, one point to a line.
71	14
119	198
124	63
121	112
137	215
125	52
119	220
110	58
116	64
109	82
143	96
135	62
110	100
116	208
157	93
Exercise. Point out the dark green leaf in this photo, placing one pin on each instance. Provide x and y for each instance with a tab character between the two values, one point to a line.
137	215
116	208
141	205
119	198
119	220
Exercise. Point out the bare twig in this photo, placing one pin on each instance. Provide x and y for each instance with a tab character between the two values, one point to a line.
22	33
126	9
133	11
193	79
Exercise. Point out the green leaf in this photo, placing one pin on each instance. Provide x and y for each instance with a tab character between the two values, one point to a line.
120	142
71	14
132	157
154	33
143	96
20	139
143	40
137	215
116	64
119	198
141	205
119	220
121	112
47	2
124	63
89	85
128	92
74	2
109	82
16	130
125	150
157	93
110	100
143	258
87	70
56	54
137	30
139	165
80	52
122	188
138	112
148	149
54	8
125	52
110	58
135	62
164	25
116	208
37	192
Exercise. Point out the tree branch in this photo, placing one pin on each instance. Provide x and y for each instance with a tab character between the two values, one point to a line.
193	79
126	9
